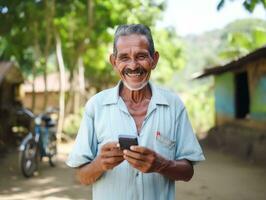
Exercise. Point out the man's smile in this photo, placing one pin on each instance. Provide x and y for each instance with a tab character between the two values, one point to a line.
134	73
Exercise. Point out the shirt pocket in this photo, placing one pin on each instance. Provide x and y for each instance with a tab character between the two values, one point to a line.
165	146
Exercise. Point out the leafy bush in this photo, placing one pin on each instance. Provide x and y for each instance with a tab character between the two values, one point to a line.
72	123
199	102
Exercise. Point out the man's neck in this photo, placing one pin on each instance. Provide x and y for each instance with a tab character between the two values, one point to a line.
135	96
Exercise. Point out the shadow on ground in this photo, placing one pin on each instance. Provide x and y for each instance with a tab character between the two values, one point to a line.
50	183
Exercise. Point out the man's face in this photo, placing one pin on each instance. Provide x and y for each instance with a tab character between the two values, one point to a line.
133	61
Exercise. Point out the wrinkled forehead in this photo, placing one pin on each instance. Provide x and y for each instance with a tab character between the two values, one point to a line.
135	41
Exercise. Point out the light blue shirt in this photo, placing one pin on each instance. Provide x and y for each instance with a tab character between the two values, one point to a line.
166	129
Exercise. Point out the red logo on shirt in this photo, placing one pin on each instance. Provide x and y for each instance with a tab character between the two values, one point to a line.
158	134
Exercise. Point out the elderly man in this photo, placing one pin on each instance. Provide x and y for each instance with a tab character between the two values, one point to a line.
167	147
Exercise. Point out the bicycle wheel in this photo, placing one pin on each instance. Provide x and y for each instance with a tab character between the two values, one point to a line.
52	151
28	158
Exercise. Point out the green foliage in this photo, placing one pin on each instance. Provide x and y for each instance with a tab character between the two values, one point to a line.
23	33
171	59
259	36
243	25
199	100
72	123
202	51
91	37
240	43
249	5
85	28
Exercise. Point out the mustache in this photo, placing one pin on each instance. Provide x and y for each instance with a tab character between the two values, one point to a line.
138	70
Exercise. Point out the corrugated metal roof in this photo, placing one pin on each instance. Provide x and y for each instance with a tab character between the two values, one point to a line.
233	65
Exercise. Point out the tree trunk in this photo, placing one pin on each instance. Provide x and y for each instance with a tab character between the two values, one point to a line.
61	68
50	10
33	94
79	86
81	80
76	92
70	96
90	4
37	59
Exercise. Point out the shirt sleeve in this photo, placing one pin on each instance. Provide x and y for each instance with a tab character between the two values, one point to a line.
85	146
187	146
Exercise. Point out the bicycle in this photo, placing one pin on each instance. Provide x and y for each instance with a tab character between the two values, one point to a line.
38	144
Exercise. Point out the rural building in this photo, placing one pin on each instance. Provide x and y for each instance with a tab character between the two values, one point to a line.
10	80
53	88
240	105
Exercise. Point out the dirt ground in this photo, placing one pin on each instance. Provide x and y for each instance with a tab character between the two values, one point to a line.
220	177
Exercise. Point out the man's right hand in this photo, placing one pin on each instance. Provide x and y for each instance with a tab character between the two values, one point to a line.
110	156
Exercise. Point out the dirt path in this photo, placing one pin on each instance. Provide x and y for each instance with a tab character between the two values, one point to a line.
221	177
50	184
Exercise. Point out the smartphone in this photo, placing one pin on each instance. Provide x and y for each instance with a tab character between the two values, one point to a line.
126	141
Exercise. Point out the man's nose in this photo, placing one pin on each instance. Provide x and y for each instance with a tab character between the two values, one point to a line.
133	64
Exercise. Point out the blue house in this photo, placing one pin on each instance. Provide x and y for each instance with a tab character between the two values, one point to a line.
240	90
240	106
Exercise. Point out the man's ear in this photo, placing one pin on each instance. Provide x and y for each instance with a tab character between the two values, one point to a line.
156	56
112	60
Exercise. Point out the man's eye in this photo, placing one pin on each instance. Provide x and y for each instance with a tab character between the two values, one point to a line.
123	58
142	57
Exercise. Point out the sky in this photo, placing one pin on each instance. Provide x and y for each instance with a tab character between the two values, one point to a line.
197	16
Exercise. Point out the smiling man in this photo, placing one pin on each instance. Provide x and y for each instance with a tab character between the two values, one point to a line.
167	147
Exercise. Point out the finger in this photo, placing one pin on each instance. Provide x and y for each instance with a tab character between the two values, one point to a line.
109	146
112	160
134	162
140	149
135	155
111	166
117	152
112	153
118	162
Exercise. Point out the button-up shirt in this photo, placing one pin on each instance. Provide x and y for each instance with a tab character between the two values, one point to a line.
166	130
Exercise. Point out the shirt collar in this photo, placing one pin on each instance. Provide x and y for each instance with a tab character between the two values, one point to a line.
113	95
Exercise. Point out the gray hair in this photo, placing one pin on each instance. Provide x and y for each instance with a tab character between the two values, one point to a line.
140	29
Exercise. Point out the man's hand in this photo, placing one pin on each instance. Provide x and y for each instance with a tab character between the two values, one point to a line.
110	156
144	159
147	160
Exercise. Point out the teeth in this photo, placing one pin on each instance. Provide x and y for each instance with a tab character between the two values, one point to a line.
134	74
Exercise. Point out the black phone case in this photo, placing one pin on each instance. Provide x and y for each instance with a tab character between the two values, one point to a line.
126	141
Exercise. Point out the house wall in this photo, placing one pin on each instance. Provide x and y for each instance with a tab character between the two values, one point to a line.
224	96
257	81
52	100
258	103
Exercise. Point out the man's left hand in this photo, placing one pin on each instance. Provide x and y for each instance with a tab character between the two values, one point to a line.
144	159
